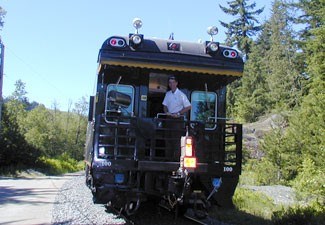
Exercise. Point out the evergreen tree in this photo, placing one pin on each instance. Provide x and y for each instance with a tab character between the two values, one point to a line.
310	17
240	31
253	100
304	140
307	129
280	60
274	147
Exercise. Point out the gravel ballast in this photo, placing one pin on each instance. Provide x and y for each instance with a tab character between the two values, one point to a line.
74	205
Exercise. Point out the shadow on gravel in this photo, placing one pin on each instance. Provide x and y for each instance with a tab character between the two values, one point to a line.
151	214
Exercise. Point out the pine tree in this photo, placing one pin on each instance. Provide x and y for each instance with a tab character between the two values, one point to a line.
304	140
241	30
308	124
253	99
280	60
239	33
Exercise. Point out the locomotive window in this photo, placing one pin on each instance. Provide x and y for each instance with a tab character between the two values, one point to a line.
204	108
158	82
125	89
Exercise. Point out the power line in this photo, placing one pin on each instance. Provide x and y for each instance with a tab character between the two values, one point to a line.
31	68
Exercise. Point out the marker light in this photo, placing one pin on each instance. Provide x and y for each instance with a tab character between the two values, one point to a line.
230	53
173	46
116	42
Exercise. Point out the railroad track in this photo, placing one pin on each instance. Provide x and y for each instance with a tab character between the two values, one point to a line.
167	217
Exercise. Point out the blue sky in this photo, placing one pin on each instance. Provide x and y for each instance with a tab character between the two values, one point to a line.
52	45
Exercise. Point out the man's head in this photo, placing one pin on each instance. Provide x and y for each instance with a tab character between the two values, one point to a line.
172	83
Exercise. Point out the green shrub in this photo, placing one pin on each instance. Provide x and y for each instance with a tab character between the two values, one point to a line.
310	179
253	203
313	214
259	172
60	165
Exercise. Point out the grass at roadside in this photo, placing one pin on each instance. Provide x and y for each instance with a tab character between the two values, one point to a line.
251	208
45	166
254	208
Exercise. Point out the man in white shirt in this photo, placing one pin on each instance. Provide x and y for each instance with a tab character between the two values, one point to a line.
176	104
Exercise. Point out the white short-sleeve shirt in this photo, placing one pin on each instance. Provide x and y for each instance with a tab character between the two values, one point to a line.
176	101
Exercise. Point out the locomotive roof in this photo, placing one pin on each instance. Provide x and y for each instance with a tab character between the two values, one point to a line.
173	55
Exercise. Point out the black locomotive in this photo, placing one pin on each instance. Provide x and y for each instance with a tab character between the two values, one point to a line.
128	154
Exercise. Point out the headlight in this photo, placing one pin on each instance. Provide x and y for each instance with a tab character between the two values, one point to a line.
101	151
212	47
136	39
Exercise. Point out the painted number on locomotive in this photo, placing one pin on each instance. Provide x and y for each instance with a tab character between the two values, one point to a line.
227	169
106	163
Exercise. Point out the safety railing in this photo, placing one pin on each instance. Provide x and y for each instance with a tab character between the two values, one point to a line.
158	139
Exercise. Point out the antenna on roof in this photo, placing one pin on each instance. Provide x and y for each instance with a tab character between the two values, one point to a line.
213	30
171	36
137	23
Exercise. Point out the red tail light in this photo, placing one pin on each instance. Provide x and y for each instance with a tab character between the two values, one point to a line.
188	147
188	153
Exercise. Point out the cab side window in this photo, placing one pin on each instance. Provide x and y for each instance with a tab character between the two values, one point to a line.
126	90
204	108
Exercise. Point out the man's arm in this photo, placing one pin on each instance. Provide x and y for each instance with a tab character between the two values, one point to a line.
165	109
184	110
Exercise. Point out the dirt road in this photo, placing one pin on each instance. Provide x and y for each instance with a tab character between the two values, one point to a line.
29	200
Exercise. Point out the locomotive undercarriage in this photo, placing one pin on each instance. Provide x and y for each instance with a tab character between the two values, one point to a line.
134	168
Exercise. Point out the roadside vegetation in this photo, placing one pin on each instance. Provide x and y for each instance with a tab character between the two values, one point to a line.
283	76
47	140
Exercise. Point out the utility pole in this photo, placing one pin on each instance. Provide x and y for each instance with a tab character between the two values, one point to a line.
2	51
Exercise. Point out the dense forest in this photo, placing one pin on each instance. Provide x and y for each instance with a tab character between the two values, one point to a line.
284	75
